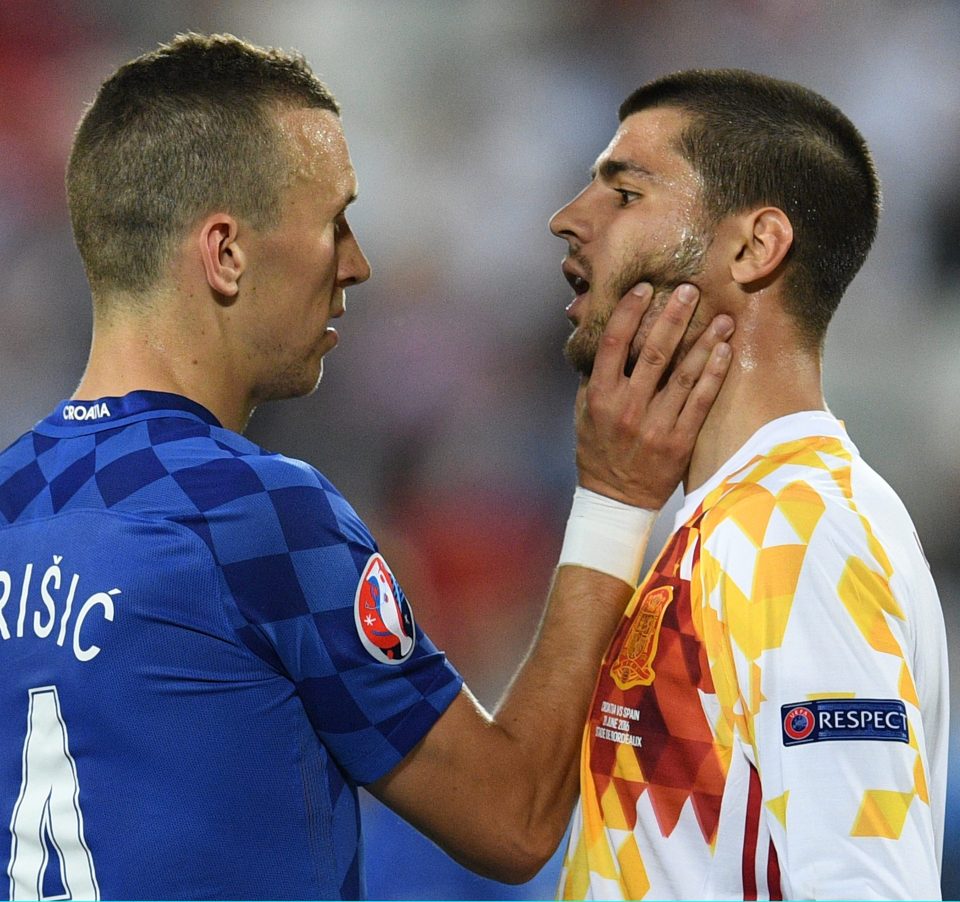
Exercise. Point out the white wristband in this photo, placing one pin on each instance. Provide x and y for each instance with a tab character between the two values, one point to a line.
607	535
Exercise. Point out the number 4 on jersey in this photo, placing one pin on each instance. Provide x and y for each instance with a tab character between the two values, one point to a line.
47	812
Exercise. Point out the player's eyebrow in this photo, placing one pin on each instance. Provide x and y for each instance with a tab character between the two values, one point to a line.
609	169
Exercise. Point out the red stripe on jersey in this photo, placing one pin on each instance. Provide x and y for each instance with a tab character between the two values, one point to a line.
773	874
751	828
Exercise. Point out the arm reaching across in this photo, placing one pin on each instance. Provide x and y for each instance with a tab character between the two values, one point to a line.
496	792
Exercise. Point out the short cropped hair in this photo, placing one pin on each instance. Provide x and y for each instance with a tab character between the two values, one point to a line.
173	135
756	140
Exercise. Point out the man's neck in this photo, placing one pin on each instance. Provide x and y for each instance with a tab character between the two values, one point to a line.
759	388
138	355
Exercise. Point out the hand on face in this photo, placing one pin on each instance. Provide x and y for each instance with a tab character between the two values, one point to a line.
635	435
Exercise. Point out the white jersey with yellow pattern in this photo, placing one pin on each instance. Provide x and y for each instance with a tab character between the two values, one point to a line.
771	718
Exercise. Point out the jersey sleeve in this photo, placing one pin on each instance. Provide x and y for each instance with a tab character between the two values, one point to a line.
813	651
313	597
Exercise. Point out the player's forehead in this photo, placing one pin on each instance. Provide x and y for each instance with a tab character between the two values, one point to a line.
319	151
646	145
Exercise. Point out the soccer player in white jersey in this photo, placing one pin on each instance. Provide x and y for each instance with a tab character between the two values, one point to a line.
203	651
770	720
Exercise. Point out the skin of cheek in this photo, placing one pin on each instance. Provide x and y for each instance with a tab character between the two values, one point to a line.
670	267
680	246
664	270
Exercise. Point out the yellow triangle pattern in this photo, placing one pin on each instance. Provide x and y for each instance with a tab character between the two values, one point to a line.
709	571
802	507
842	478
775	578
920	781
912	737
627	765
866	596
761	470
717	642
876	549
613	813
800	453
751	511
633	880
778	808
591	853
906	688
883	813
576	882
757	626
756	693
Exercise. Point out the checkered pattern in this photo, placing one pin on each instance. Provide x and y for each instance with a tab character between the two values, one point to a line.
232	679
793	575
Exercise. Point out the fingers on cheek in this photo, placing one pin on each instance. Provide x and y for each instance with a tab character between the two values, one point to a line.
653	356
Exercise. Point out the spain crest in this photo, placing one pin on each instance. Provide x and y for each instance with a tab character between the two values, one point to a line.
633	666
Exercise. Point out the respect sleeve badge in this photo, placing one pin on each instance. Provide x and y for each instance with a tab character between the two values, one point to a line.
828	720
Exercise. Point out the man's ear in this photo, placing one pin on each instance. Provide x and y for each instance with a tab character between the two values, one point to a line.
223	259
766	237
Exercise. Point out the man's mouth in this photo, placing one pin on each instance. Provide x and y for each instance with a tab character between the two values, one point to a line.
575	277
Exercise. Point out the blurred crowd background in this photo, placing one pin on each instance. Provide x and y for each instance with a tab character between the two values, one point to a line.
445	414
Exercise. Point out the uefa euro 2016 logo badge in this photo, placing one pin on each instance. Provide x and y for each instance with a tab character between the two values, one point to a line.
383	616
798	723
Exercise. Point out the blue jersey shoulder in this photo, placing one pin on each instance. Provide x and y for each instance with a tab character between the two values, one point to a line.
218	558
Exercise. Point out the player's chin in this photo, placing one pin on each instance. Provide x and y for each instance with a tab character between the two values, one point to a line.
580	352
314	384
313	371
295	382
312	379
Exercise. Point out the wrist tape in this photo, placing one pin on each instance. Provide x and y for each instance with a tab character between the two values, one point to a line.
606	535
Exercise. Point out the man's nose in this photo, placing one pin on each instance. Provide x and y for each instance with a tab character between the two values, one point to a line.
354	266
570	221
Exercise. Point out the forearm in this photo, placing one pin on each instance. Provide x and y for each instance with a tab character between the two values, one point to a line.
540	718
496	791
543	712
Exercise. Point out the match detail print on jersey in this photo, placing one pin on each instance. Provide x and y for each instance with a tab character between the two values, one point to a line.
383	615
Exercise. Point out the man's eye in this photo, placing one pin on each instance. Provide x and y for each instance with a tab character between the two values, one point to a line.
626	196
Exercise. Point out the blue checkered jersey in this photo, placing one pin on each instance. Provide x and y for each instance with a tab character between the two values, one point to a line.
203	655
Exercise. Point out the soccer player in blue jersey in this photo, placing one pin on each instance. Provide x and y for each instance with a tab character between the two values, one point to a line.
204	653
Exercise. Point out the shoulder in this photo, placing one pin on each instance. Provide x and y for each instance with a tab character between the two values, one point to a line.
309	506
216	468
283	537
257	504
813	517
785	496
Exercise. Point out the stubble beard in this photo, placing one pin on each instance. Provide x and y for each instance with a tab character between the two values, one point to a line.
290	376
664	271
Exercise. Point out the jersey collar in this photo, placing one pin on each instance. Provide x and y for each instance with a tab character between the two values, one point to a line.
783	429
74	417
